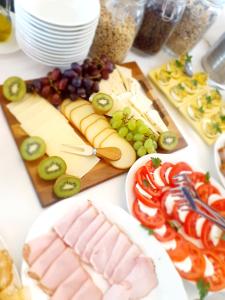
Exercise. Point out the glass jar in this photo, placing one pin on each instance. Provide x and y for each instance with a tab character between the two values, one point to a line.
117	28
160	18
198	16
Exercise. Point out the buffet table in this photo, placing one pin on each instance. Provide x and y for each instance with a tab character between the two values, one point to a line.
19	204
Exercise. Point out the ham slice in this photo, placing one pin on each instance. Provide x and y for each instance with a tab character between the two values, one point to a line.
125	265
60	270
142	278
36	247
119	250
117	292
79	226
103	249
88	233
94	240
63	225
42	264
88	291
71	285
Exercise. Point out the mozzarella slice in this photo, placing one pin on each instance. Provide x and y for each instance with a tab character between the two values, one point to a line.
161	231
185	265
198	184
167	173
209	268
143	192
213	198
198	226
215	235
147	210
170	245
157	177
170	202
182	214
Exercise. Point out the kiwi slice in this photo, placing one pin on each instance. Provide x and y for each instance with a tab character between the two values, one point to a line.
32	148
168	140
66	186
14	89
51	168
102	103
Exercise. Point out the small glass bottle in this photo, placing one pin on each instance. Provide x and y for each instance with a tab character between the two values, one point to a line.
117	28
160	18
198	16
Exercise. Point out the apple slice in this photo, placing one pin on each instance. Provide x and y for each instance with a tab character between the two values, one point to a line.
102	136
89	120
97	127
79	113
64	104
128	155
73	105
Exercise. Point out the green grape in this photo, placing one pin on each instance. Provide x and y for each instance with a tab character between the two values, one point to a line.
141	151
129	137
137	145
149	143
131	124
139	137
127	111
151	150
140	123
155	144
118	115
123	131
116	124
143	129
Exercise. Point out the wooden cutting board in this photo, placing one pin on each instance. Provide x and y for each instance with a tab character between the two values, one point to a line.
102	171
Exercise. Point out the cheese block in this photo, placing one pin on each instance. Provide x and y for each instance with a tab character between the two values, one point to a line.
79	113
94	129
128	155
64	104
26	102
125	74
73	105
155	119
99	138
89	120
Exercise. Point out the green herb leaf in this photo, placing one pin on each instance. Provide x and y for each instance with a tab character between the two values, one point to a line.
150	231
207	176
208	99
195	82
174	225
222	118
179	64
201	109
217	127
156	162
146	183
223	236
188	58
203	288
180	86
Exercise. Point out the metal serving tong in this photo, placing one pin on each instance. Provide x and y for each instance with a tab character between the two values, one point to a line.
191	201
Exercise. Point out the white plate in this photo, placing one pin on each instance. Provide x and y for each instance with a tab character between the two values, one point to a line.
220	142
11	45
170	285
66	13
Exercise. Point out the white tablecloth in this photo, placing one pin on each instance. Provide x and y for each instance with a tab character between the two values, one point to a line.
19	204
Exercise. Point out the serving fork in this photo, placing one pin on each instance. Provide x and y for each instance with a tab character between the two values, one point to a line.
189	200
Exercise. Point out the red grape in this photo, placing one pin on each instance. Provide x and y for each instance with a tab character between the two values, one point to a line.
55	74
45	81
95	87
70	73
63	84
46	91
76	82
56	99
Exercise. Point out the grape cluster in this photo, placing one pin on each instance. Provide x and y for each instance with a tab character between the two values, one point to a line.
134	131
80	81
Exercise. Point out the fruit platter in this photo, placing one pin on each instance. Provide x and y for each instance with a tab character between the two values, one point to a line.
81	126
200	104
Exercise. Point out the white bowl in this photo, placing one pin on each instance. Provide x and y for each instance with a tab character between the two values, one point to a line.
217	161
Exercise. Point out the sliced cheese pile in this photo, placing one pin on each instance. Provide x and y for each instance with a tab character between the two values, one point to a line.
126	91
39	118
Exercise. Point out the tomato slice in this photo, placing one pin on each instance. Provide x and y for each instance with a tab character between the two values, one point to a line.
150	222
207	242
177	214
148	201
197	177
205	190
181	250
150	169
219	205
163	170
168	236
169	213
190	224
217	280
198	264
177	169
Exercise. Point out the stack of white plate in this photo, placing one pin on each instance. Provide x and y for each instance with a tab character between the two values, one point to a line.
56	32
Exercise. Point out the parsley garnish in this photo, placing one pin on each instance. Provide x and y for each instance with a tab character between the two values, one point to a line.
195	82
174	225
216	126
188	58
222	118
208	99
179	64
146	183
156	162
180	86
201	109
203	288
150	231
207	176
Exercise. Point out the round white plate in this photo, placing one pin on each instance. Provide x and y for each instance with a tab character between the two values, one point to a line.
11	45
170	285
220	142
62	13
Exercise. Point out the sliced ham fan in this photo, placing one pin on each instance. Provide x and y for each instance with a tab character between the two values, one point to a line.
117	292
60	269
88	291
44	261
35	248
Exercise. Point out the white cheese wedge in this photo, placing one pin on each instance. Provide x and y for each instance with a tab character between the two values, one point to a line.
167	173
154	117
157	177
170	245
185	265
143	192
161	231
215	235
147	210
209	268
170	202
199	225
213	198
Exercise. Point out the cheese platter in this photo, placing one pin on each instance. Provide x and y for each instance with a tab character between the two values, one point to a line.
35	117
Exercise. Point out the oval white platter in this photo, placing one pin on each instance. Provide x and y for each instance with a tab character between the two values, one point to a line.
219	144
170	284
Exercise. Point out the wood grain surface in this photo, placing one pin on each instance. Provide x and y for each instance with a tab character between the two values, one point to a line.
102	171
